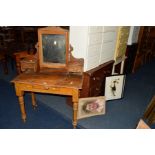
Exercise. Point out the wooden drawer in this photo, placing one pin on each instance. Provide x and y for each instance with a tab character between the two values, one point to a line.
45	87
39	87
95	90
27	64
94	80
99	74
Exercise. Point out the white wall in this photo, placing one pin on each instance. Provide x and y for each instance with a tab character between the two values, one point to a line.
78	39
96	44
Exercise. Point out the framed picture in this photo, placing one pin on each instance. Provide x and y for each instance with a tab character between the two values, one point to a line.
114	87
121	43
91	106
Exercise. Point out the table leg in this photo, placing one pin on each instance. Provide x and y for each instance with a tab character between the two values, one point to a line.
75	109
22	107
33	100
75	99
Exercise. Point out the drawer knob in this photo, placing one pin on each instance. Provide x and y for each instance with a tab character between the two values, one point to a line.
45	86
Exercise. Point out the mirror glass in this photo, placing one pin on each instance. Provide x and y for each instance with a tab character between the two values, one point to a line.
54	48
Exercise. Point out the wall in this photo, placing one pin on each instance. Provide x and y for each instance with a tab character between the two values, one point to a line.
96	44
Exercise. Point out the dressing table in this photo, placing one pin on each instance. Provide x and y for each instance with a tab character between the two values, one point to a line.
55	75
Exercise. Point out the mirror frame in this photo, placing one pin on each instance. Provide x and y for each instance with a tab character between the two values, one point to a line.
52	30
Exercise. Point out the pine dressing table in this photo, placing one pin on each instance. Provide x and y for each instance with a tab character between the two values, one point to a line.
50	77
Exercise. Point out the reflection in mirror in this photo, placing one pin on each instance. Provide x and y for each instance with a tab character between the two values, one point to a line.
54	48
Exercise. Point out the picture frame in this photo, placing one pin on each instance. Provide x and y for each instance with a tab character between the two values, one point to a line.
91	106
114	87
121	43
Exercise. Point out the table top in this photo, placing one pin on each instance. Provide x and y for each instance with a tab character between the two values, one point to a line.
51	79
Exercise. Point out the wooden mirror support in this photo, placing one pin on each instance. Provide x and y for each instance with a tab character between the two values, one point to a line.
70	65
54	51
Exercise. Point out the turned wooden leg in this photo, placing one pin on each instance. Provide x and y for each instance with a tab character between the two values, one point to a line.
75	109
22	107
75	99
33	100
